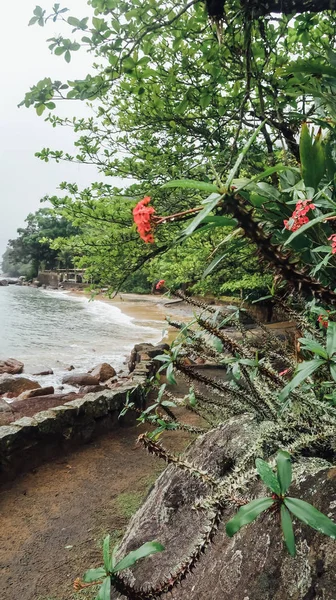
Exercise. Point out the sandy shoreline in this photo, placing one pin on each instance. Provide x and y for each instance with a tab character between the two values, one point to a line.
146	308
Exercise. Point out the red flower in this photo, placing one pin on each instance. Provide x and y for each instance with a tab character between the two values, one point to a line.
323	320
142	215
333	243
299	217
159	284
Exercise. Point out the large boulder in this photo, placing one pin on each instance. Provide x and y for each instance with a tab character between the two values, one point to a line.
11	365
253	565
104	371
14	386
80	379
42	391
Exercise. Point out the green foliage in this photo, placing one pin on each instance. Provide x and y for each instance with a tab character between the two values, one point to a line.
247	514
33	248
172	105
313	160
111	568
302	510
326	358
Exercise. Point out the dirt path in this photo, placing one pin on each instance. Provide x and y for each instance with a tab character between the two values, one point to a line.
53	520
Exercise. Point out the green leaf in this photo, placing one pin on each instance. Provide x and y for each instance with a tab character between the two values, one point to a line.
305	369
311	67
191	184
113	556
242	155
106	553
59	50
170	374
322	249
161	392
200	217
247	514
284	470
312	155
287	530
74	22
67	56
105	590
132	557
276	169
213	265
217	221
94	575
314	347
168	403
267	475
205	100
331	338
40	108
311	516
311	223
332	368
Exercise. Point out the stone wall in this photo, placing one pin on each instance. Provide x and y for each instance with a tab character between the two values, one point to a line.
49	279
29	441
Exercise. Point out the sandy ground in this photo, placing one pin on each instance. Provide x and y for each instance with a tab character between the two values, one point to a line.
53	520
146	308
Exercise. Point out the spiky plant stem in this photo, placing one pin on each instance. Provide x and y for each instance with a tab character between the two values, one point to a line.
158	450
277	256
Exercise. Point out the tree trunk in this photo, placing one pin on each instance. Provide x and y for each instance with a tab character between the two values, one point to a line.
215	8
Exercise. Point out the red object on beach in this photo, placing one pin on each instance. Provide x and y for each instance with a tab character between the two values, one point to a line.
142	215
159	284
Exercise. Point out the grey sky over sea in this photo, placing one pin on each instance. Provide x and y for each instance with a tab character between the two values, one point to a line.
25	59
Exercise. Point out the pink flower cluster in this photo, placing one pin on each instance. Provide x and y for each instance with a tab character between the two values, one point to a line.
142	215
333	243
299	216
159	284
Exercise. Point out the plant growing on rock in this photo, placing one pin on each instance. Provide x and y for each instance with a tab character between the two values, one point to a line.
106	575
279	502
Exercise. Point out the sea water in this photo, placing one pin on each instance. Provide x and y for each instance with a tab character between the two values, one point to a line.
48	329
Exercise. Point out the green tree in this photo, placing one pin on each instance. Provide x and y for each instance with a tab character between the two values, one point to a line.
32	249
174	95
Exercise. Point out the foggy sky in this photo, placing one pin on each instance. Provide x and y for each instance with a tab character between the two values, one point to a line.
25	59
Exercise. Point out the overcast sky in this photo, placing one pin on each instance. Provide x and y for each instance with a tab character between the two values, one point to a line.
25	59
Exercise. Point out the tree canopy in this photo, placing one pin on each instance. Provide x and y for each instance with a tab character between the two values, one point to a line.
32	248
176	95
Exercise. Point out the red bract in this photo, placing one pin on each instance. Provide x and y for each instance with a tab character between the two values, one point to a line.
333	243
323	320
299	217
159	284
142	215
